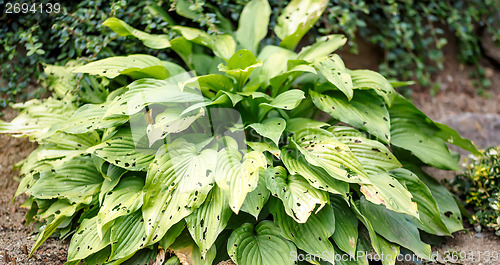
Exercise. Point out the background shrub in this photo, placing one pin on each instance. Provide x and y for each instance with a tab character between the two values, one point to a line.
479	185
412	33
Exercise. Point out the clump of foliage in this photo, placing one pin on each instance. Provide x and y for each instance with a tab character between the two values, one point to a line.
480	187
412	33
223	157
32	39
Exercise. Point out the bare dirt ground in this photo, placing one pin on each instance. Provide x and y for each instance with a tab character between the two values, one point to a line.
456	104
15	242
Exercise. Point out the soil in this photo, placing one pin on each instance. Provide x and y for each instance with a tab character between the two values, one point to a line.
456	104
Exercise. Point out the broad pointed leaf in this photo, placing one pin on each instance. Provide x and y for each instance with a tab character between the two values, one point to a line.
367	79
240	66
124	199
320	149
271	128
90	117
337	76
189	253
177	183
395	227
252	25
238	176
323	46
316	176
298	197
364	111
86	240
429	216
150	40
207	222
311	236
259	245
121	150
255	200
77	180
346	226
296	19
148	91
114	66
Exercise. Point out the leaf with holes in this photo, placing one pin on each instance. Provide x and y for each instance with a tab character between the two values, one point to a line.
271	128
299	198
259	245
311	236
364	111
177	183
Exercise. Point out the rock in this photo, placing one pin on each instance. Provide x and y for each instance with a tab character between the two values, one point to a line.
482	128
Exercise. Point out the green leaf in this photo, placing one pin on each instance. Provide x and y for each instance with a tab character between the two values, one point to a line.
255	200
60	210
37	117
262	147
240	66
396	227
298	197
209	84
172	234
311	236
111	178
207	222
317	177
275	62
177	183
379	244
86	240
125	198
333	70
223	46
386	190
189	253
271	128
121	150
296	124
238	176
259	245
346	226
127	65
287	100
323	46
148	91
364	111
90	117
170	121
296	19
367	79
149	40
448	208
61	79
127	235
77	180
252	25
320	149
373	155
413	131
429	216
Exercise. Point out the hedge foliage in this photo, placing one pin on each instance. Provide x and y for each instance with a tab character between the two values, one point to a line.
412	33
479	185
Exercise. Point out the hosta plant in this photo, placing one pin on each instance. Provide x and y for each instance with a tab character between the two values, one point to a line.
257	154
